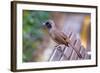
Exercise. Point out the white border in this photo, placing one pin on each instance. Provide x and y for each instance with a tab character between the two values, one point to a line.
34	65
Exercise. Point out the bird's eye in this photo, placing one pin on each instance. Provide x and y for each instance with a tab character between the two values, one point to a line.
48	24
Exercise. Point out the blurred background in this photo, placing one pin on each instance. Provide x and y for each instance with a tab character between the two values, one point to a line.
37	44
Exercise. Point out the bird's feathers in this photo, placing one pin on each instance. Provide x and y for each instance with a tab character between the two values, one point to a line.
58	37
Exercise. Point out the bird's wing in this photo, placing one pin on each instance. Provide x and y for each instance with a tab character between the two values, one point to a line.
60	38
65	37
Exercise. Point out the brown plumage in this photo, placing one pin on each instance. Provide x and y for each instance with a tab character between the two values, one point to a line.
58	36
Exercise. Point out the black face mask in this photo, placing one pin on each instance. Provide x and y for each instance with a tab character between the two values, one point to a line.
48	24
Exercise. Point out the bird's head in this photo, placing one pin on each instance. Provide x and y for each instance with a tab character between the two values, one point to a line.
49	24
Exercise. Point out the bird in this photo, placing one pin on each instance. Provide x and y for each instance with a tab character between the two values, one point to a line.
58	36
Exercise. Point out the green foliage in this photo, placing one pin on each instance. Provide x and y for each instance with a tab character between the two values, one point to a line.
32	31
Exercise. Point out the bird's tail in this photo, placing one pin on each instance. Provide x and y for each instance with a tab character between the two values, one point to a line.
75	49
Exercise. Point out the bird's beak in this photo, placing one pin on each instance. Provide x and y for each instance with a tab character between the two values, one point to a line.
45	29
43	26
